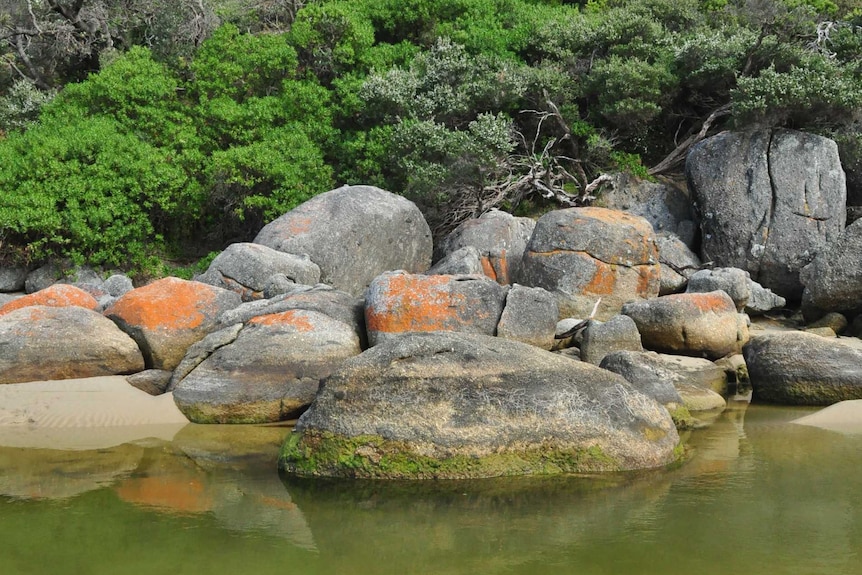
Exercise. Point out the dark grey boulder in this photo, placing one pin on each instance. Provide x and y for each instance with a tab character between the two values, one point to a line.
398	303
117	285
529	316
733	281
463	261
456	405
353	234
270	372
678	263
769	200
803	369
599	339
762	299
500	240
665	204
43	277
584	255
40	342
833	280
248	268
12	278
704	324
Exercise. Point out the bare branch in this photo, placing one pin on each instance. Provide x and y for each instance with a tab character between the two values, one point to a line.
677	156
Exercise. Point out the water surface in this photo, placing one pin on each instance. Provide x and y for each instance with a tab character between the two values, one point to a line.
759	495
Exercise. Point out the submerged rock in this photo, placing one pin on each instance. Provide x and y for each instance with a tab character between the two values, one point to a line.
455	405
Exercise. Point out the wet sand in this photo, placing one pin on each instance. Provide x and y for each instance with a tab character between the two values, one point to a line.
89	413
843	417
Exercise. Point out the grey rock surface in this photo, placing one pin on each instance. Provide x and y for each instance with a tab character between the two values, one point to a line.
833	280
769	200
353	234
617	334
12	278
678	263
529	316
733	281
152	381
463	261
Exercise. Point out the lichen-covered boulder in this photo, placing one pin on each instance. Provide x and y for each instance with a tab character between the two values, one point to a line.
463	261
168	315
398	302
690	324
678	263
769	200
499	238
44	342
586	254
529	316
601	338
833	280
803	369
57	295
354	233
247	269
456	405
269	372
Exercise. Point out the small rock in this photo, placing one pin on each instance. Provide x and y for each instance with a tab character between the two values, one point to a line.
617	334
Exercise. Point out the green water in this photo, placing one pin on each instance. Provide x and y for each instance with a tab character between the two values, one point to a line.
759	496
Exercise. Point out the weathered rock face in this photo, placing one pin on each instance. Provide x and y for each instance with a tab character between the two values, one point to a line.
446	405
12	278
678	263
762	299
803	369
690	323
833	280
600	339
57	295
500	239
463	261
583	254
247	269
768	202
43	342
398	303
167	316
529	316
269	372
733	281
354	233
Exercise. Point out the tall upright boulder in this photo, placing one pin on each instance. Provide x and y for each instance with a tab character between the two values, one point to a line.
833	280
354	233
769	200
586	254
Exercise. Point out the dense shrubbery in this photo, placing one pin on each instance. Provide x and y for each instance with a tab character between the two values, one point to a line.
461	105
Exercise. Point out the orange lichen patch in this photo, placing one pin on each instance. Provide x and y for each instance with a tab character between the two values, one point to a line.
169	303
410	303
57	295
649	281
298	225
182	495
503	277
604	281
616	218
488	268
298	319
711	302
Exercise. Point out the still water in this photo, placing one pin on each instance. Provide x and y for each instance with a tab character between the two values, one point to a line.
759	496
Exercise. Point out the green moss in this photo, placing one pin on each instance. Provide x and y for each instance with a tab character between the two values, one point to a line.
315	453
682	417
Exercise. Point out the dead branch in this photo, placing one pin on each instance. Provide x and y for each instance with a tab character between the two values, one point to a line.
677	156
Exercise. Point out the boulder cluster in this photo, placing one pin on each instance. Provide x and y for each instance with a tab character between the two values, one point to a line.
577	342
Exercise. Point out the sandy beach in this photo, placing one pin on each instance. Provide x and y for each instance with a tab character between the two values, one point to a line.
90	413
844	417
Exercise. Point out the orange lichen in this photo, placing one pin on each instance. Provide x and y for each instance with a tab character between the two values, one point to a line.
169	303
57	295
298	319
409	303
487	268
298	225
604	280
649	278
711	302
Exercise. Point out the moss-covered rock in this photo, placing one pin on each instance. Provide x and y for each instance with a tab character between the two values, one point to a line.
454	405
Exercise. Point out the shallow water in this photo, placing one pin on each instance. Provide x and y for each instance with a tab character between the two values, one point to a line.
759	495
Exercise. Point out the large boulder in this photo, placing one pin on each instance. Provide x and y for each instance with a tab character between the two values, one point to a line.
57	295
690	324
803	369
833	280
586	254
248	268
456	405
769	200
529	316
270	372
44	342
398	303
354	233
500	239
168	315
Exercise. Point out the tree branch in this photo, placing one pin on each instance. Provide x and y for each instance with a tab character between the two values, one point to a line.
678	155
